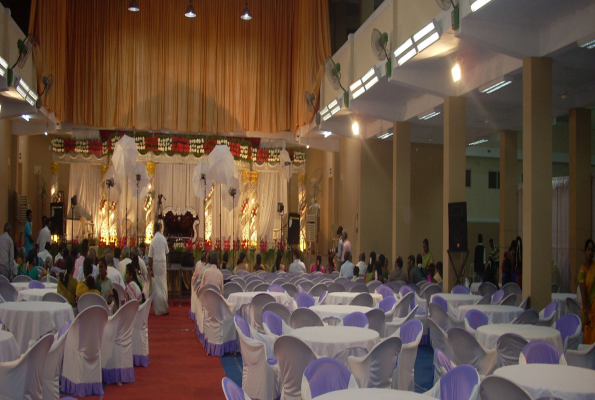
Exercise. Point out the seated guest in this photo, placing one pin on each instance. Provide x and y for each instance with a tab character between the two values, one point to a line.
93	256
438	274
369	275
212	275
317	265
241	264
361	264
378	271
66	283
431	270
297	266
415	274
330	265
29	266
144	256
104	284
258	265
133	289
398	274
47	266
78	263
419	260
45	253
88	283
384	262
94	271
204	266
61	263
225	261
508	274
117	254
124	261
144	276
278	266
347	267
60	255
112	273
355	273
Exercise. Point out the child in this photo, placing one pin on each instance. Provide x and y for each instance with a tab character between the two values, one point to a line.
355	274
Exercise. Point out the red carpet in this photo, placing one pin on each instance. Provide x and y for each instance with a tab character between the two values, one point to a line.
179	369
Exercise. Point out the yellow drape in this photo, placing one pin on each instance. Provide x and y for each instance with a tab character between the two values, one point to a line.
156	69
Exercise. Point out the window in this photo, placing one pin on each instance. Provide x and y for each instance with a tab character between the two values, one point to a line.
494	180
468	178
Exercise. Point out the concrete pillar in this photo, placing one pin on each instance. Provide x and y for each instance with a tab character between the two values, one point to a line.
455	141
537	181
508	192
401	224
580	190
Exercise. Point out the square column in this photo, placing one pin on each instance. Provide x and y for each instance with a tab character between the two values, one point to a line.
580	190
455	141
537	181
401	224
508	192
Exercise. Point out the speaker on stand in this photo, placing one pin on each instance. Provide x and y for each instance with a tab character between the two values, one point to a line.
293	229
457	237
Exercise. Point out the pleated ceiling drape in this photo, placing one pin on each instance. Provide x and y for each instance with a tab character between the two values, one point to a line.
156	69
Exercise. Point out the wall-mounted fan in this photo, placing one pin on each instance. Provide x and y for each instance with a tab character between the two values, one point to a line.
333	73
25	49
48	81
445	4
310	99
380	48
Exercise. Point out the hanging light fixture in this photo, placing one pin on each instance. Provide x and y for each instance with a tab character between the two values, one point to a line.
133	6
246	14
190	11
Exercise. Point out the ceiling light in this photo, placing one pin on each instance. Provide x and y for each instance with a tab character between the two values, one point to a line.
190	13
336	110
426	29
3	66
246	14
355	85
477	4
495	85
358	92
133	6
45	133
368	75
326	134
407	56
428	114
355	128
587	42
371	83
434	37
307	147
480	141
26	117
456	72
401	49
385	136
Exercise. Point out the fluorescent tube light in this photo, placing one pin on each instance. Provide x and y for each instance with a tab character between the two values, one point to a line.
426	29
26	117
385	136
368	75
371	83
407	57
456	73
477	4
326	134
401	49
332	104
480	141
427	115
355	128
490	88
587	42
335	110
355	85
358	92
434	37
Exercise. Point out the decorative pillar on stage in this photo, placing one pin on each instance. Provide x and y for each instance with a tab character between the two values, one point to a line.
249	210
149	217
55	171
107	233
303	203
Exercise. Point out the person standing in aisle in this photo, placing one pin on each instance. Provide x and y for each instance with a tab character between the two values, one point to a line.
158	266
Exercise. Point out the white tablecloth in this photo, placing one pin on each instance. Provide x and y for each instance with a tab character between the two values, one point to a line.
497	314
488	335
34	294
237	300
337	298
375	394
25	285
474	288
338	342
29	320
333	315
561	299
456	300
9	351
546	380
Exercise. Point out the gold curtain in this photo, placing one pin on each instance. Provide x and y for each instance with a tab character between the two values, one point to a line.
156	69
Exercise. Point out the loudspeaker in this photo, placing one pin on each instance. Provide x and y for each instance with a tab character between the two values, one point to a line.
280	207
457	226
293	229
57	217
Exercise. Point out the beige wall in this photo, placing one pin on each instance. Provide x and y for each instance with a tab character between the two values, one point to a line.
350	189
5	176
40	146
482	203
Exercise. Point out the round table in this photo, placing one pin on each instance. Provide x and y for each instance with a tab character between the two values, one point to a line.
338	342
30	320
456	300
25	285
240	302
560	298
488	335
337	298
9	351
34	294
498	314
376	394
547	380
333	315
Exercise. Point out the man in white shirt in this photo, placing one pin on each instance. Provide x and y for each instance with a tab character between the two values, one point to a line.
6	253
45	236
124	261
297	266
158	266
60	254
212	275
112	273
146	278
45	253
347	267
362	264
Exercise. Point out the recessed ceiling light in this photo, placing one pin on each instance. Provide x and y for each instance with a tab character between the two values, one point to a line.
26	117
456	72
355	128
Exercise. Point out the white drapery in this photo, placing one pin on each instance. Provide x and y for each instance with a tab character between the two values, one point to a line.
85	184
272	189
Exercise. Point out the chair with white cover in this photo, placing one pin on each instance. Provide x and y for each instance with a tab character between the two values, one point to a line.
415	288
439	316
460	289
388	306
376	320
53	365
373	285
231	287
487	288
510	288
474	319
571	330
335	287
89	300
523	304
305	286
274	325
527	317
509	347
116	346
256	306
428	291
356	319
22	278
290	289
232	391
548	314
403	376
390	328
441	302
359	288
201	314
584	357
486	299
4	279
325	375
36	285
274	287
81	369
375	369
497	296
439	338
259	377
385	291
8	292
541	352
442	365
318	289
498	388
304	300
293	357
460	383
140	334
509	300
242	273
278	309
406	303
250	286
572	307
348	285
54	297
362	299
23	377
304	317
220	335
467	350
262	287
239	281
322	298
360	280
405	292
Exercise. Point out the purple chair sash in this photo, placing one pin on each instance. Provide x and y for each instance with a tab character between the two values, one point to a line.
356	319
274	322
550	309
326	375
243	325
568	325
36	285
80	389
276	288
476	318
541	352
231	390
304	300
410	331
458	383
460	289
116	375
387	303
441	301
386	291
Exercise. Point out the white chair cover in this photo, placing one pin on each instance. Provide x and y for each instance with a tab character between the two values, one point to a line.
81	370
200	314
326	375
256	306
278	309
121	292
392	327
439	316
140	334
498	388
376	321
439	340
293	356
454	381
219	331
467	350
89	300
116	347
583	357
53	367
303	317
23	378
375	369
403	374
509	349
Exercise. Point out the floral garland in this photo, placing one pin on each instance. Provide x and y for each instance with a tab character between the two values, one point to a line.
242	150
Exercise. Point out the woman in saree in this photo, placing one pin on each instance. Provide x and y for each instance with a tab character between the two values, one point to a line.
586	282
67	283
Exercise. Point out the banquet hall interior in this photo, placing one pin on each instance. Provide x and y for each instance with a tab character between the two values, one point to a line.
297	199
